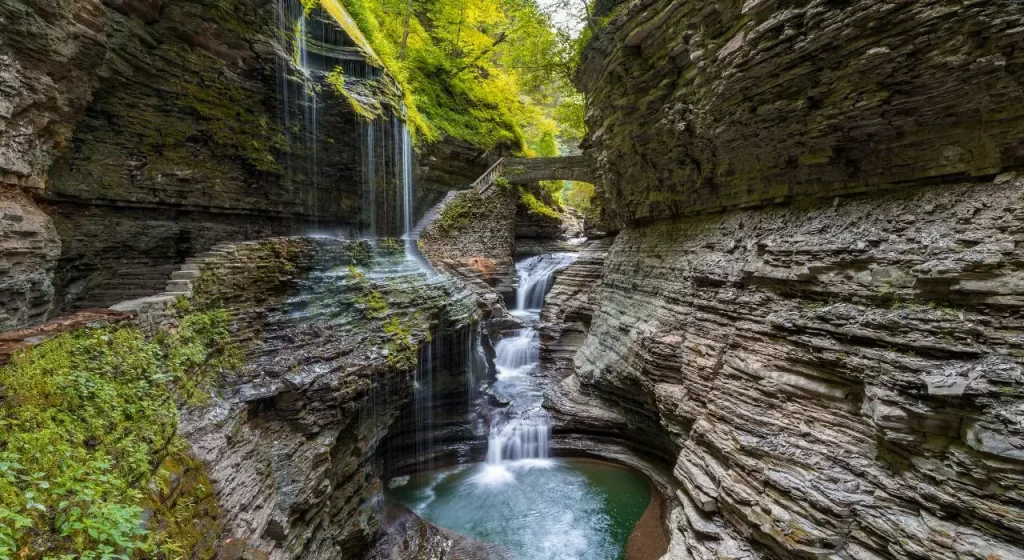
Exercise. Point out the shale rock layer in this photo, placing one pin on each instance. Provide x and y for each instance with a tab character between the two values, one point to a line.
838	379
696	106
291	440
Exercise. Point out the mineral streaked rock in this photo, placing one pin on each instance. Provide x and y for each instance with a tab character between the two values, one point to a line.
473	238
840	379
697	106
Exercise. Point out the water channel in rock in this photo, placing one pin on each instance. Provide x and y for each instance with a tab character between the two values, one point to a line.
534	505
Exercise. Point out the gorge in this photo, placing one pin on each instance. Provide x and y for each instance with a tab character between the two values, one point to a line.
288	279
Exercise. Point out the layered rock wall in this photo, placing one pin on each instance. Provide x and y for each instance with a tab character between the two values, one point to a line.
569	307
291	441
837	379
473	238
698	106
49	54
152	130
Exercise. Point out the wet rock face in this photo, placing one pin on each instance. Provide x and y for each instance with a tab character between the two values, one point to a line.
152	130
839	379
696	106
569	307
291	443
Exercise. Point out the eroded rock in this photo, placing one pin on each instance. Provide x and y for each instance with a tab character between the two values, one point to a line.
831	379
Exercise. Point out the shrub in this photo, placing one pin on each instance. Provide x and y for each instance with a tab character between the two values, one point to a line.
86	420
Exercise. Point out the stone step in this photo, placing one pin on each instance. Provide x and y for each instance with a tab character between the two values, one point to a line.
185	275
179	287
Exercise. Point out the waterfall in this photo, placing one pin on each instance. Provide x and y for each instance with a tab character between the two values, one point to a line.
518	352
369	203
519	435
536	276
407	163
423	388
518	440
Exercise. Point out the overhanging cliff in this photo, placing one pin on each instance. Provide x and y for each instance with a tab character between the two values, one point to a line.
698	106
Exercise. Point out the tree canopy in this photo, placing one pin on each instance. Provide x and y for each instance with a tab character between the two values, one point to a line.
489	72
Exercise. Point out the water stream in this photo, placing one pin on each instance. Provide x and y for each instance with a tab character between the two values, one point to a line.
537	507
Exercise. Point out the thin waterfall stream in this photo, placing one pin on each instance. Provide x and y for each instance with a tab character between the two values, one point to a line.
534	506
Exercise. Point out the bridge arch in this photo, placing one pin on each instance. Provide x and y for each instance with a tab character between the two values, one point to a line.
520	171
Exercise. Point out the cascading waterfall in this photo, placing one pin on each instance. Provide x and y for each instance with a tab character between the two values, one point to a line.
520	436
312	48
536	276
531	506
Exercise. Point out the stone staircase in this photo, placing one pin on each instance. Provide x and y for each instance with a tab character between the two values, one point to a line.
431	215
180	283
483	185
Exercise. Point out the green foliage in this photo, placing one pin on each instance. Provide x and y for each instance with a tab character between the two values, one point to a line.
86	421
198	347
535	206
583	197
486	72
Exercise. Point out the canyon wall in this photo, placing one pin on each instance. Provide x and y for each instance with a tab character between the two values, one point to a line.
827	379
292	440
808	330
698	106
134	133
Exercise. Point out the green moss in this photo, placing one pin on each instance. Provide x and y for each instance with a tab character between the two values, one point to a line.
368	112
86	422
401	330
232	119
185	518
535	206
361	253
402	349
455	216
391	247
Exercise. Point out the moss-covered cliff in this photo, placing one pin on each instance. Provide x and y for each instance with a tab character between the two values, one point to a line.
242	417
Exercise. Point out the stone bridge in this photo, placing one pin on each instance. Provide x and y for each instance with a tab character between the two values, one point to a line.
530	170
521	171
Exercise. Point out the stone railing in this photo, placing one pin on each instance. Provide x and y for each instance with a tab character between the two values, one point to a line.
530	170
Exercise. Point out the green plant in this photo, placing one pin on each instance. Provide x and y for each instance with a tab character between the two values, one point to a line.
456	215
535	206
86	421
